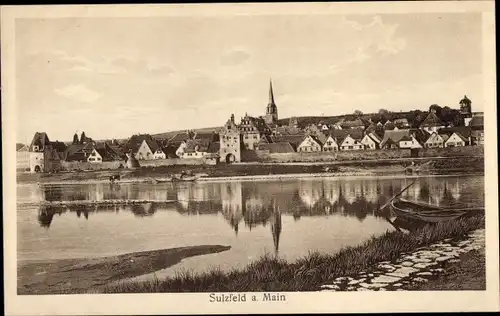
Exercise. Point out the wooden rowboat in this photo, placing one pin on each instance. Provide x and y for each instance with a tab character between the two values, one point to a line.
417	211
176	179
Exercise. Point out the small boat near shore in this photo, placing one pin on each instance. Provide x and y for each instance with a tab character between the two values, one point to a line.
175	179
422	212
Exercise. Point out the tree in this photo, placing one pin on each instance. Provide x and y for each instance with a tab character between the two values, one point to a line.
358	113
83	138
385	115
451	116
436	108
75	139
376	118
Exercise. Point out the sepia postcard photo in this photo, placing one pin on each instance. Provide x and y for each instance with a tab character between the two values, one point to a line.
250	158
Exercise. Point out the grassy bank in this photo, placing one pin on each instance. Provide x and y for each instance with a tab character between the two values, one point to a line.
307	274
81	275
468	274
394	166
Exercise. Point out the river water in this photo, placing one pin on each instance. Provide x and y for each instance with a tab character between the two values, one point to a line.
287	218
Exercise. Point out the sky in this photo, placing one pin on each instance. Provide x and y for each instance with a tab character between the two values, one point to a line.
114	77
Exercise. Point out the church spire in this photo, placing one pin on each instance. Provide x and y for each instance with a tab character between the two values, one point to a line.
271	95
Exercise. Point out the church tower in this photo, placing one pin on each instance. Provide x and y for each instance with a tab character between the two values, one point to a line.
272	110
466	110
466	106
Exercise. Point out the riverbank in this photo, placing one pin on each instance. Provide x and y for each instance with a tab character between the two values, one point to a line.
307	274
70	276
394	167
428	265
467	273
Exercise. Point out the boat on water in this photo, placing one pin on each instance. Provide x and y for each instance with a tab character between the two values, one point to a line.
422	212
175	179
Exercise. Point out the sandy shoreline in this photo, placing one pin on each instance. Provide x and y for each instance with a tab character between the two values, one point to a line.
390	174
82	275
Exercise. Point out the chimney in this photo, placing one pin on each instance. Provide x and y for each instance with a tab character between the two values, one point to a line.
232	118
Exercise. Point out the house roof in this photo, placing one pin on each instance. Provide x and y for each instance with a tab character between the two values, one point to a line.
443	136
394	135
152	144
200	145
180	137
477	121
106	156
295	140
281	147
375	137
461	137
315	138
117	151
342	133
19	146
420	135
74	152
40	139
170	151
265	140
340	141
58	146
372	127
210	136
135	142
464	131
406	138
432	120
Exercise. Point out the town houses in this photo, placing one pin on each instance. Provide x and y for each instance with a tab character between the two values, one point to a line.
267	134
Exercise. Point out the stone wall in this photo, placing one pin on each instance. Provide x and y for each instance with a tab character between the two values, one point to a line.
265	156
76	165
177	161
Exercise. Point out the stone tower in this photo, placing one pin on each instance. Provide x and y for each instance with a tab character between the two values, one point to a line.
230	142
272	110
466	110
466	106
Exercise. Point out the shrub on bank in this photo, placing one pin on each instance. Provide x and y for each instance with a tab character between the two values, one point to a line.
308	273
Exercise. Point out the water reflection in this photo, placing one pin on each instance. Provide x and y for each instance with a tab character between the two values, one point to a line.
259	204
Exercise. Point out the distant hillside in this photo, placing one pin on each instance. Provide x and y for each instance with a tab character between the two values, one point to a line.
304	121
168	135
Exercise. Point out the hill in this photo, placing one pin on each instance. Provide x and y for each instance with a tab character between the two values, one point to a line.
168	135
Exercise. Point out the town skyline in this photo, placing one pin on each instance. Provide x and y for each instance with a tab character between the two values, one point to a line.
138	84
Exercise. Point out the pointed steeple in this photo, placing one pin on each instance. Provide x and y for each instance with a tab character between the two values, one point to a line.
271	94
271	109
